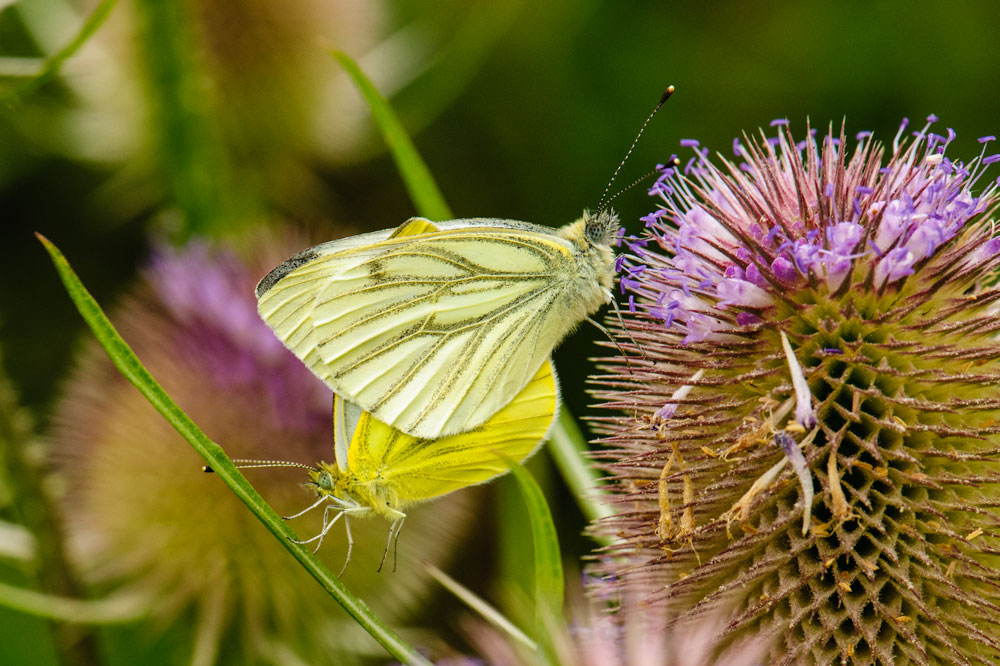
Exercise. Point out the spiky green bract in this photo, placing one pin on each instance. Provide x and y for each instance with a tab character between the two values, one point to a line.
880	273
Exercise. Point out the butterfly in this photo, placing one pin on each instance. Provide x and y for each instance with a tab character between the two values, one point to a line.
435	327
381	471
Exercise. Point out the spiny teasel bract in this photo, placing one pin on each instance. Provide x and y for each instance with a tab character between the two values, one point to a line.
881	276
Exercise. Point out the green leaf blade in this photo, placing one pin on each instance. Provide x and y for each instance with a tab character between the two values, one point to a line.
549	582
424	192
567	447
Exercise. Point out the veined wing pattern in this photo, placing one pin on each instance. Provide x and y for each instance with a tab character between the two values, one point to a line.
431	333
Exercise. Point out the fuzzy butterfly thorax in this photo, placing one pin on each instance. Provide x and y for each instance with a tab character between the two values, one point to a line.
602	227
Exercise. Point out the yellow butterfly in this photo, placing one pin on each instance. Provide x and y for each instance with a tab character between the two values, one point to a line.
434	327
382	471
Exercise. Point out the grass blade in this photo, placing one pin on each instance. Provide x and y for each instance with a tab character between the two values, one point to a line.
190	153
52	64
486	610
416	176
115	610
549	584
129	365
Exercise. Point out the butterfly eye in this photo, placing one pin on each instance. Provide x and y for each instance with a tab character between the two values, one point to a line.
324	480
601	227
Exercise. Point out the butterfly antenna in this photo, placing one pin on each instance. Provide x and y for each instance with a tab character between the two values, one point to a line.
245	463
651	172
675	162
604	197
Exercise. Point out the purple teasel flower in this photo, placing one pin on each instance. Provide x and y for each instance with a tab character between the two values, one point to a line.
828	304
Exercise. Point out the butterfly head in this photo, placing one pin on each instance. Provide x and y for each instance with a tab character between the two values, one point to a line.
600	228
324	478
330	482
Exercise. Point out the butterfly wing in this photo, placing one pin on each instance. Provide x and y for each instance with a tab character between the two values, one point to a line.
402	469
433	332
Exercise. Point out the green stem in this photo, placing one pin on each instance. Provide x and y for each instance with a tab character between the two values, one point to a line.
424	192
191	157
549	582
129	365
77	611
486	610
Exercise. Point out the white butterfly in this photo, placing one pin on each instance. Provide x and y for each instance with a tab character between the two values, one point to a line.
434	327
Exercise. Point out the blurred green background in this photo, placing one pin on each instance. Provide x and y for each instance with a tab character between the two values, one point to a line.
521	109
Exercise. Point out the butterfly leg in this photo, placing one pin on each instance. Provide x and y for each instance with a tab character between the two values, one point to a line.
350	546
327	526
397	524
395	545
307	509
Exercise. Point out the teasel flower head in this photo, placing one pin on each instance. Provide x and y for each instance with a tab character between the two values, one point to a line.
807	427
145	520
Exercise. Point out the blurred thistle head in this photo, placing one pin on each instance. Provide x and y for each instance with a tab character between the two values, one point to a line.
828	304
143	517
609	628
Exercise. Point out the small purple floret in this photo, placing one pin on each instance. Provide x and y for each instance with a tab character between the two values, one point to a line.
726	246
784	270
